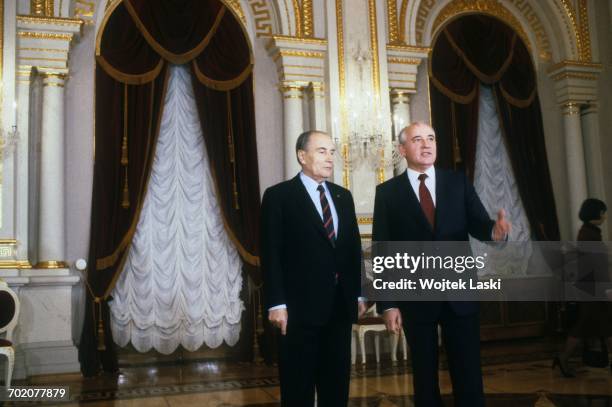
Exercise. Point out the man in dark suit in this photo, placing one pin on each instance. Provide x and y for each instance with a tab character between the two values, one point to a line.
429	204
311	262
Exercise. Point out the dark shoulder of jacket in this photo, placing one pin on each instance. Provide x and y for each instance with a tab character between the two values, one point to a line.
452	176
279	189
390	183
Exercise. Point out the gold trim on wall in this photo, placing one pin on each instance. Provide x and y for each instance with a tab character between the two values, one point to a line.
346	172
402	22
394	37
307	19
583	14
37	7
297	12
62	21
45	35
365	220
491	7
51	264
374	47
15	264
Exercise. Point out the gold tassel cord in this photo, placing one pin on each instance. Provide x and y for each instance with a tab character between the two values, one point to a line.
101	345
125	202
232	152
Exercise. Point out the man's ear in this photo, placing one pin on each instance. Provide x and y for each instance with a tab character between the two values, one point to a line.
401	149
300	155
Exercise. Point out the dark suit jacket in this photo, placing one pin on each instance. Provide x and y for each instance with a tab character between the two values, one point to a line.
398	217
299	262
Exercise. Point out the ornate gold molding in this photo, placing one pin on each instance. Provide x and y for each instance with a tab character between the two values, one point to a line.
570	108
288	38
394	37
574	75
45	35
346	171
307	19
292	53
51	264
408	48
41	7
235	6
365	220
374	47
490	7
402	22
262	16
15	264
297	12
61	21
585	34
569	63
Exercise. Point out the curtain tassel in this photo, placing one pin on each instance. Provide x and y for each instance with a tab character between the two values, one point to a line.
125	202
232	151
101	345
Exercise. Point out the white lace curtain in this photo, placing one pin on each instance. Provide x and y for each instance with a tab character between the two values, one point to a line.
182	278
496	186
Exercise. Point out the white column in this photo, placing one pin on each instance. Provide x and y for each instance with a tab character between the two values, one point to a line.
400	108
293	125
316	101
592	156
576	170
51	243
22	150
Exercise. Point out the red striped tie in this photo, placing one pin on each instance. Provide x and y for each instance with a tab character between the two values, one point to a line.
426	202
328	222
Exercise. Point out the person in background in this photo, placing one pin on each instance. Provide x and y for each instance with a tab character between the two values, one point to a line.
594	318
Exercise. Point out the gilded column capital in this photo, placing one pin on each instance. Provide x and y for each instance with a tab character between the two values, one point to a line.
575	81
570	108
44	42
316	90
298	59
291	90
400	96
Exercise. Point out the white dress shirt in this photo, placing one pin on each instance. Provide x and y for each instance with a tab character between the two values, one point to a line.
430	182
311	187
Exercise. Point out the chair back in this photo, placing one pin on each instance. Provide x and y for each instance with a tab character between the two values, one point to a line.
9	310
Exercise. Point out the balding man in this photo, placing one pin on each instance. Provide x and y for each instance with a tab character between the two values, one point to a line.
429	204
311	262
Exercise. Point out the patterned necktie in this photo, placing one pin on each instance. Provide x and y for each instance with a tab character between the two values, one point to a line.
427	204
328	222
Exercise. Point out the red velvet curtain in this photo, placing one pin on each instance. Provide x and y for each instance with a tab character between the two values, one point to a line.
479	49
140	38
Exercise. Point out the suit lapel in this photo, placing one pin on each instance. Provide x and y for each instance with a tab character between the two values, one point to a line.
408	199
440	195
336	195
307	206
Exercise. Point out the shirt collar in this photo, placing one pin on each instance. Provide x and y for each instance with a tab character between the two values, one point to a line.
309	183
413	175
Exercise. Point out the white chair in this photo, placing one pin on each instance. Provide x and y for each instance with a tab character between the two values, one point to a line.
372	322
9	313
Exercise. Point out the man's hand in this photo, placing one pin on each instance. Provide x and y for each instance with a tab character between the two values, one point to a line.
393	320
502	227
362	308
278	318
